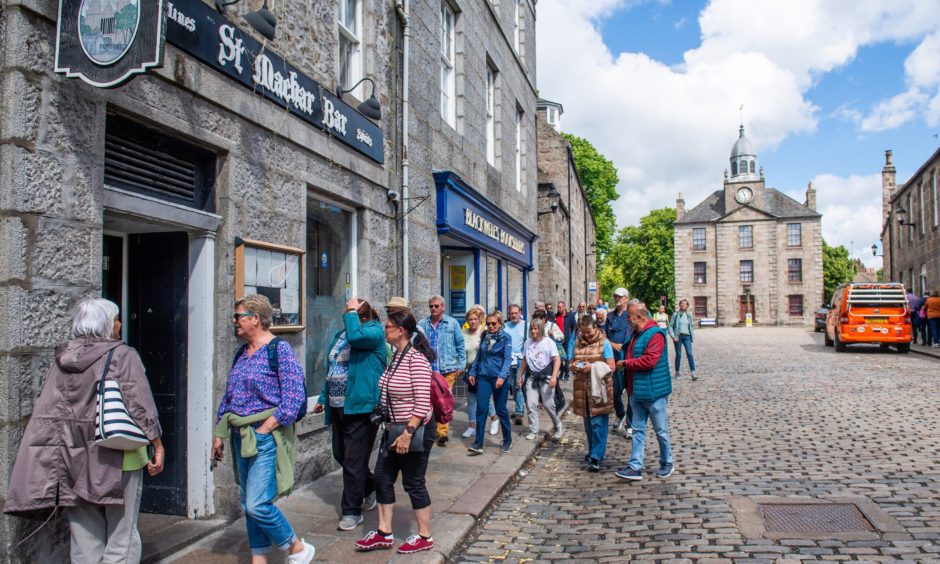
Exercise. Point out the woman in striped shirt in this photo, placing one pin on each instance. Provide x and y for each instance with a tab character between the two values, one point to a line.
405	388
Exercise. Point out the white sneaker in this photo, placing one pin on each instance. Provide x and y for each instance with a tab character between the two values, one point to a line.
559	431
621	423
470	432
531	436
494	427
628	431
305	556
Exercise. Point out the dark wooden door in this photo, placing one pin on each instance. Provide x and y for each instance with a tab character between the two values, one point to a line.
157	273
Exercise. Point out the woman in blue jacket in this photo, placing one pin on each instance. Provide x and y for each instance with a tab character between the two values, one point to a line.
350	393
489	373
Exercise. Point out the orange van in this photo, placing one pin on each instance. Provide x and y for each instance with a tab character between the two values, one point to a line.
869	313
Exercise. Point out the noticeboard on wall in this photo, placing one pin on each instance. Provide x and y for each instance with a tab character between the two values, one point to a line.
277	272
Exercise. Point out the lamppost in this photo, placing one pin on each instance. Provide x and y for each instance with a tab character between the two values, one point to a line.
553	197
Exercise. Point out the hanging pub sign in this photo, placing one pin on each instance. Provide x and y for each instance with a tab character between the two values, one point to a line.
205	34
106	42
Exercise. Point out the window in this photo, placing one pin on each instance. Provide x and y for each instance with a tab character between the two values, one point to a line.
923	279
920	207
734	168
518	150
747	271
350	45
698	238
752	167
701	306
490	116
936	205
448	73
795	270
517	26
746	236
794	234
910	214
699	273
795	305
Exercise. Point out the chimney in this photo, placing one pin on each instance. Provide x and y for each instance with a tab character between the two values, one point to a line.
810	197
888	174
680	207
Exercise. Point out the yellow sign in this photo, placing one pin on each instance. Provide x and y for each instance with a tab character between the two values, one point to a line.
458	277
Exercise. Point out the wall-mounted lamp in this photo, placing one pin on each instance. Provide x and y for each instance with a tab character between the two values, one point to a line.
593	251
371	107
902	213
874	250
263	21
553	198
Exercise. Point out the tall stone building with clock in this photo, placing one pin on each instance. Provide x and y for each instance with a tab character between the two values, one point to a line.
749	248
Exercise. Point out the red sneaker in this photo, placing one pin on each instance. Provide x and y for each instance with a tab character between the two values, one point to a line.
374	541
415	543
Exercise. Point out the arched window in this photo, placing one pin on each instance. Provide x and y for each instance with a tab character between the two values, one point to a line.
734	168
752	167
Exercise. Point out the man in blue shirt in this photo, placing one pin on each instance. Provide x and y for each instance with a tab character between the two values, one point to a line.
517	330
619	331
446	338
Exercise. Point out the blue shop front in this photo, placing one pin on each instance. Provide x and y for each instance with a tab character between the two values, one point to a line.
486	254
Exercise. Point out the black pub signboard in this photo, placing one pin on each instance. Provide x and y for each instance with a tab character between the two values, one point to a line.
205	34
106	42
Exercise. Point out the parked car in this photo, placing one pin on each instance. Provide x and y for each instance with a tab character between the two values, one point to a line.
821	318
874	313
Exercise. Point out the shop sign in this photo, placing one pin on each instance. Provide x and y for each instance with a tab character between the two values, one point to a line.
105	43
208	36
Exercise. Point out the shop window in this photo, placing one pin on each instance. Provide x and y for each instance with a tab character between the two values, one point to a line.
514	287
698	238
147	161
492	284
330	277
701	306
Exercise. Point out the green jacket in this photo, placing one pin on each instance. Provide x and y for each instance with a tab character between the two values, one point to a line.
368	356
283	442
674	324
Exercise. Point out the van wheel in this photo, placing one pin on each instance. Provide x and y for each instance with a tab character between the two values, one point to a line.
840	346
828	340
904	348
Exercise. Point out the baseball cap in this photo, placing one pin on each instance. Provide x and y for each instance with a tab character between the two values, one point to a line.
622	292
398	302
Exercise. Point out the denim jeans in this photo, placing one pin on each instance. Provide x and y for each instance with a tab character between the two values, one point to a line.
656	411
596	430
934	330
684	341
257	480
518	392
486	389
472	407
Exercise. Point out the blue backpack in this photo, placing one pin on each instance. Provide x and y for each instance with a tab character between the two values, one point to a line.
273	365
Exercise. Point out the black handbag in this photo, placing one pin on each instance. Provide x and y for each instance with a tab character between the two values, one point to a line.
394	430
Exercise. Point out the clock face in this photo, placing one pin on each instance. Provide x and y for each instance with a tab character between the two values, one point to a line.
744	195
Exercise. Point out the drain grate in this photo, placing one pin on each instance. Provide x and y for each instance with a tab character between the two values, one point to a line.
814	518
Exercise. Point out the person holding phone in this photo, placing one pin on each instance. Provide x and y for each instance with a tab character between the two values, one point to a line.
588	347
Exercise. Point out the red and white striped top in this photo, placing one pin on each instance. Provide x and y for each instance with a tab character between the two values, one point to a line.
409	387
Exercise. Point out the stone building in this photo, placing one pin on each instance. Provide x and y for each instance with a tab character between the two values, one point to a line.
910	235
147	192
749	248
567	232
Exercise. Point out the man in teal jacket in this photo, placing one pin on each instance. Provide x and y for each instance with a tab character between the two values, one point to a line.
649	384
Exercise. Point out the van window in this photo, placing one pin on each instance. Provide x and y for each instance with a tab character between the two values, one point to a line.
877	296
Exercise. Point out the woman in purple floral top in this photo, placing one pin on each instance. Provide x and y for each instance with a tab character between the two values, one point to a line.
258	411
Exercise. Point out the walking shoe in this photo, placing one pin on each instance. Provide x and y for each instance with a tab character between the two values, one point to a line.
517	418
350	522
416	543
559	431
305	556
628	431
505	448
374	541
369	502
694	377
594	466
618	423
629	474
531	436
475	450
665	471
494	426
442	441
469	433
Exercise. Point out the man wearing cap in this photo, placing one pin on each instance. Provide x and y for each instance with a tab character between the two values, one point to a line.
619	331
398	303
446	338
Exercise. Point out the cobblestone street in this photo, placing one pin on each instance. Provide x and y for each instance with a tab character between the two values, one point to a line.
774	413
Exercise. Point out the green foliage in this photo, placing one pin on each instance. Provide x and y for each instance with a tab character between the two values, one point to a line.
599	177
838	268
125	21
642	260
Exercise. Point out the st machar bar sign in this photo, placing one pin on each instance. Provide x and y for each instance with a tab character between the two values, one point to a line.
208	36
106	42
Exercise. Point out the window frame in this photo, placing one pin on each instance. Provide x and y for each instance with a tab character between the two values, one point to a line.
936	204
352	37
702	311
910	210
795	311
704	239
448	61
491	115
750	236
799	235
519	139
798	271
696	273
920	206
746	277
517	27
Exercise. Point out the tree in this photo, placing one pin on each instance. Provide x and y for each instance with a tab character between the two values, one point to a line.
125	22
642	259
838	268
599	177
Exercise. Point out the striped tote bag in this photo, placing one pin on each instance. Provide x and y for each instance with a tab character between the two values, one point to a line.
114	426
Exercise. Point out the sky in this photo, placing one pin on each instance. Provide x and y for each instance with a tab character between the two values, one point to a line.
826	87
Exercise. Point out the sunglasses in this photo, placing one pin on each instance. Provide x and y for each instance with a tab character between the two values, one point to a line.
435	306
238	316
492	324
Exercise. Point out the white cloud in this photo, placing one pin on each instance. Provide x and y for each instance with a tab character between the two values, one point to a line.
851	208
894	112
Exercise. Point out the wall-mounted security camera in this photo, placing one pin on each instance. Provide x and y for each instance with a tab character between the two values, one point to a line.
392	195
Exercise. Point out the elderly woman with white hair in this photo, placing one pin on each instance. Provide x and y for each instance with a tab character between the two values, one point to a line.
59	463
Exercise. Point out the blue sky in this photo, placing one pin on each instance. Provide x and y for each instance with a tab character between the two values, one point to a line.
825	89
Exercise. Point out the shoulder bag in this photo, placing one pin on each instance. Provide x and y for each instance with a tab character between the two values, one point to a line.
114	426
393	430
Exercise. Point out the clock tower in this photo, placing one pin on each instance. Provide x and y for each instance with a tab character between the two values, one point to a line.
745	187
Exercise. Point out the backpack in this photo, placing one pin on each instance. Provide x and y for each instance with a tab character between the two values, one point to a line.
442	400
273	366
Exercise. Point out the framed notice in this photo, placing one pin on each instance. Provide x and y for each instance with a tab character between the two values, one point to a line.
277	272
458	277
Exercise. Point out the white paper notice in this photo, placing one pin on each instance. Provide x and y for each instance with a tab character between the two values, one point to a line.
264	268
293	272
249	290
251	266
290	301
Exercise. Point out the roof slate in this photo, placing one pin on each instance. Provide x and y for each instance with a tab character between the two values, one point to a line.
776	203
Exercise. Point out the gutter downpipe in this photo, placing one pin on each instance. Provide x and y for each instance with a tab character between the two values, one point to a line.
570	253
401	7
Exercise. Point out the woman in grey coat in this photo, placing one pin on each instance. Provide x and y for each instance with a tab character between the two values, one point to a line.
58	463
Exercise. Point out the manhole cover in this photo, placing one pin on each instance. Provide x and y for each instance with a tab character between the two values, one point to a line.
814	518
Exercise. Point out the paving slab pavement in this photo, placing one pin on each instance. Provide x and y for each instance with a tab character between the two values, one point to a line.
461	489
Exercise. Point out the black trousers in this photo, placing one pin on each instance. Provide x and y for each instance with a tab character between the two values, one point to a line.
353	438
412	465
